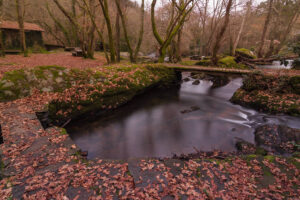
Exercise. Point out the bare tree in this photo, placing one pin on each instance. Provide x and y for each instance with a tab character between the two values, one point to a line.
248	4
86	40
183	10
221	33
266	26
133	52
105	9
100	35
118	37
20	9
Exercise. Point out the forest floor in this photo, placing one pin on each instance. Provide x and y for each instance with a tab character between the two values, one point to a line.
46	164
64	59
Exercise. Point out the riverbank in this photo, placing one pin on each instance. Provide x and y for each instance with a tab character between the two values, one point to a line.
271	94
45	164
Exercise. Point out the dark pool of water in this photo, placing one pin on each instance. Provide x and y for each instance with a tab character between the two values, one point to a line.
161	123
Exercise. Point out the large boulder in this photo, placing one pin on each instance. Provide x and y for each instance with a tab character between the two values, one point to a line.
245	53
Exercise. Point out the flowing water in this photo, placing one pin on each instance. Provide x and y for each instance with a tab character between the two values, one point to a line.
278	65
161	123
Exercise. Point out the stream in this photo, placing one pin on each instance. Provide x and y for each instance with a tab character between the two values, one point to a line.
161	123
278	65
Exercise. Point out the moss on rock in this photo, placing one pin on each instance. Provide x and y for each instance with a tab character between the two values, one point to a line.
21	83
245	53
229	62
270	94
205	62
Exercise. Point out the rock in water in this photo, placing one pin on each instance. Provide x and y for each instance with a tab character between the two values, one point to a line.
196	82
278	137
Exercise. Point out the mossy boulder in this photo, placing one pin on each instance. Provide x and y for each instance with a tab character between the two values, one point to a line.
245	53
229	62
120	86
21	83
270	94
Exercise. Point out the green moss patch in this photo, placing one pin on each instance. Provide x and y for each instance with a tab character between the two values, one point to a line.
205	62
229	62
245	53
21	83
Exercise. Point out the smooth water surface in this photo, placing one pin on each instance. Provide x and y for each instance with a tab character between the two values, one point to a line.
174	121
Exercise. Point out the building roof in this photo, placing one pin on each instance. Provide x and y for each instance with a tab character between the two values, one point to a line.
15	25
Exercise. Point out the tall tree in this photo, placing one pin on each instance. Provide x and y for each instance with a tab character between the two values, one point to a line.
183	10
236	42
266	26
105	10
221	33
2	48
86	46
20	8
118	37
132	51
92	16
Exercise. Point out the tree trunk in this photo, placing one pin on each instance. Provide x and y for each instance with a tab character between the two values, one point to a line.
241	28
133	52
263	37
2	48
92	17
178	46
287	32
173	27
141	35
104	6
118	36
20	7
221	33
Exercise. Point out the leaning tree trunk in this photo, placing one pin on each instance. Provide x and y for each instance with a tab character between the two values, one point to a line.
20	13
263	37
221	33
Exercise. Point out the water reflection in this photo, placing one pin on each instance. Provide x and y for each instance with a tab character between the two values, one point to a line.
161	123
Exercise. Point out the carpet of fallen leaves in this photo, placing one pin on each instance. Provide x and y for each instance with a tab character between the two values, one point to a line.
64	59
45	164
